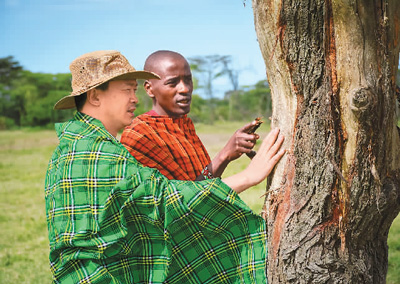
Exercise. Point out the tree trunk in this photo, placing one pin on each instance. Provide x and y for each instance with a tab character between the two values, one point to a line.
331	66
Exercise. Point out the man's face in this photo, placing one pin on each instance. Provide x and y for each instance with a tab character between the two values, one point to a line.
172	94
118	104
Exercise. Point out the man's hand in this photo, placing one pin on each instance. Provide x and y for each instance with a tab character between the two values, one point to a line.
241	142
266	158
261	165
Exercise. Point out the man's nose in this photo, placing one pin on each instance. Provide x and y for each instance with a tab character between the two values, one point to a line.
183	87
134	98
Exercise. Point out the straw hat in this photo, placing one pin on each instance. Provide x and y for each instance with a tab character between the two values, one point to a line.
95	68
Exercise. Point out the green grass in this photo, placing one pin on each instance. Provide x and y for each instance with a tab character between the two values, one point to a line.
23	240
393	276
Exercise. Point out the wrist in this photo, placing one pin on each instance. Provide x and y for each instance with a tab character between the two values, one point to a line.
206	173
247	178
239	182
220	160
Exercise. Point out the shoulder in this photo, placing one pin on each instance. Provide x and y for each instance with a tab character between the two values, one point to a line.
139	122
141	126
87	138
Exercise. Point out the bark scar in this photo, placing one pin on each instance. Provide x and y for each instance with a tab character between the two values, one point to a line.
336	168
279	35
283	205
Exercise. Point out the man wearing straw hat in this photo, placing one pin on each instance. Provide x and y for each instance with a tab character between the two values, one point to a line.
111	220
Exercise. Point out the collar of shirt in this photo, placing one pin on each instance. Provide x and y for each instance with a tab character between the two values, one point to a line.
88	126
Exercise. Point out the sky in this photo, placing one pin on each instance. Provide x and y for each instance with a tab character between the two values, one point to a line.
46	35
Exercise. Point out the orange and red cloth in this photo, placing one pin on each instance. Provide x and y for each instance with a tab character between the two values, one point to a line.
169	144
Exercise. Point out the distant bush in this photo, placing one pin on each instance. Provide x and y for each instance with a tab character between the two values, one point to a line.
6	123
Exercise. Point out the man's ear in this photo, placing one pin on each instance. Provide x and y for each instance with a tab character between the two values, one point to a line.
148	89
93	97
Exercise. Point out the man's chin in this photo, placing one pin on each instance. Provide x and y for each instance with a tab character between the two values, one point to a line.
184	110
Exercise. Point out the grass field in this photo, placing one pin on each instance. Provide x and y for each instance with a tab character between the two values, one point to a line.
23	239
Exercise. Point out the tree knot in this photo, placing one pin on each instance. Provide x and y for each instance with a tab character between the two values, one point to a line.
361	100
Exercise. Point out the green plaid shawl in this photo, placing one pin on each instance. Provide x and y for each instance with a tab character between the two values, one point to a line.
111	220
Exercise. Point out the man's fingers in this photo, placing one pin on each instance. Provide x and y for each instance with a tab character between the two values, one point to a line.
248	126
269	140
247	144
277	145
249	137
278	156
274	160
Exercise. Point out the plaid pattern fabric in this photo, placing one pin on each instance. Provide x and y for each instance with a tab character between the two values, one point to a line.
111	220
170	145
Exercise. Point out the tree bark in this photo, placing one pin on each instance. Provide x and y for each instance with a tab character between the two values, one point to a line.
331	67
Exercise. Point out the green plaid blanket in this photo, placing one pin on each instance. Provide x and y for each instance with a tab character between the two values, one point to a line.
111	220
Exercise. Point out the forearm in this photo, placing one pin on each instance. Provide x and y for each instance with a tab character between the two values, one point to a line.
218	165
214	169
239	182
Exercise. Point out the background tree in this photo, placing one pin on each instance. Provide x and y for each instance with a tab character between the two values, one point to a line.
331	67
27	98
40	92
247	103
207	69
10	70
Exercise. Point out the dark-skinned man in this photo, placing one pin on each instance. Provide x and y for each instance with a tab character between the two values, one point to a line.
165	137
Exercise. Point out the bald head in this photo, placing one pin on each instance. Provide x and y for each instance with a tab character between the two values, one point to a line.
154	60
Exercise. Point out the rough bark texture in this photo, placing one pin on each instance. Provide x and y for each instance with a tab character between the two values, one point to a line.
331	66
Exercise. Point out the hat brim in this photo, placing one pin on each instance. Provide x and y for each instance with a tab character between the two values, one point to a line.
68	102
136	75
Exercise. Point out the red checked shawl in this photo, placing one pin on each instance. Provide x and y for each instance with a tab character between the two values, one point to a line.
169	144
